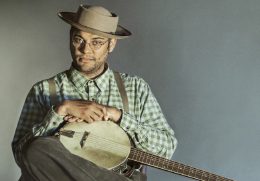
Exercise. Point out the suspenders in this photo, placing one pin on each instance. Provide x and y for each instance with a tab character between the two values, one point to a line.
119	82
52	91
121	88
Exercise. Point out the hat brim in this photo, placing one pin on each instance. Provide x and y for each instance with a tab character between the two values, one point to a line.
70	17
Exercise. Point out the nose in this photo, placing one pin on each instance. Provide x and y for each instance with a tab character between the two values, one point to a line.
86	48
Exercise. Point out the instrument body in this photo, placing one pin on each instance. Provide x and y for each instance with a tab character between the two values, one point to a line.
102	142
107	145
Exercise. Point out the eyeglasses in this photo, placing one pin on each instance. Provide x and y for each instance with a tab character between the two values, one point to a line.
93	44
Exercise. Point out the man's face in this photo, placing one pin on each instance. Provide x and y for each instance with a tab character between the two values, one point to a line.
89	52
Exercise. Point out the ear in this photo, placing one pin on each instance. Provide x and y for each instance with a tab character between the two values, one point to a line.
112	45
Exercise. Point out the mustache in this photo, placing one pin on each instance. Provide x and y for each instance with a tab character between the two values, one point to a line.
86	57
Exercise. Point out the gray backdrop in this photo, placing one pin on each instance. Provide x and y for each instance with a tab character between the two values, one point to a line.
200	57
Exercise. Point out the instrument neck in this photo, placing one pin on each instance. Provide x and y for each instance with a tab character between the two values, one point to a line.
172	166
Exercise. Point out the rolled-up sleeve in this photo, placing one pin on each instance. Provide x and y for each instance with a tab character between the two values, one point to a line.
35	120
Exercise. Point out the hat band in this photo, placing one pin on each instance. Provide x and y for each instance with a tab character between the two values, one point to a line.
97	21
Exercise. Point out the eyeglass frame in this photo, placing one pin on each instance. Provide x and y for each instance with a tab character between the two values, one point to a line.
84	43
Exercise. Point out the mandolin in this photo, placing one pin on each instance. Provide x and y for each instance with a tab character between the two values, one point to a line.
107	145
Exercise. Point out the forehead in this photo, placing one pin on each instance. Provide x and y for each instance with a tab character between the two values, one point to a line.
86	35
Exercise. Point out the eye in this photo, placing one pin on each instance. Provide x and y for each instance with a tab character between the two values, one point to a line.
96	42
78	40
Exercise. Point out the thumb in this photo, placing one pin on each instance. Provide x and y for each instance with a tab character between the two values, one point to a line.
106	116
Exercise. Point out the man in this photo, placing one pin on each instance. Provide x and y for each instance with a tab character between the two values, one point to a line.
87	92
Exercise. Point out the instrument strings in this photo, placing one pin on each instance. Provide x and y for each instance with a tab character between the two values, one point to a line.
103	143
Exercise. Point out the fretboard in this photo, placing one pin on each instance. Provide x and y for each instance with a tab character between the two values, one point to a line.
172	166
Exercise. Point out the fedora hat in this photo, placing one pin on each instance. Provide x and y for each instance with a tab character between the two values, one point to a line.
96	20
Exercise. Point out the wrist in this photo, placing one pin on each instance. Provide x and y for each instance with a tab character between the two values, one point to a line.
118	115
115	114
61	109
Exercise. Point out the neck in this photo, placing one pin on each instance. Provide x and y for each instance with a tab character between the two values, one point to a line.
96	74
92	75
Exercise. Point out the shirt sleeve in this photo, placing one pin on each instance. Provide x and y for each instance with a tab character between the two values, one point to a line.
147	126
36	119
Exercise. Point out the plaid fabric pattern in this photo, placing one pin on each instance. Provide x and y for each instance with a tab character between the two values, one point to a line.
145	122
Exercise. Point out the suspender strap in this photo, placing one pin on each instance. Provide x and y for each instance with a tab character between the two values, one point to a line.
52	91
121	88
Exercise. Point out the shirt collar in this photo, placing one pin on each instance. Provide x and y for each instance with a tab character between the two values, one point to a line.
80	81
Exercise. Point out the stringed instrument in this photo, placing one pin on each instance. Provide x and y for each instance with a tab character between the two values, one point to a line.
107	145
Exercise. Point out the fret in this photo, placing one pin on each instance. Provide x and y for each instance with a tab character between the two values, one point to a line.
214	177
147	159
159	164
193	174
196	173
180	168
169	164
178	165
209	177
141	156
204	175
137	156
186	170
217	178
189	171
173	168
163	162
133	155
154	161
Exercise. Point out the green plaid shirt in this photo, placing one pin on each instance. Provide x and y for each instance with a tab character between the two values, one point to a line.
145	122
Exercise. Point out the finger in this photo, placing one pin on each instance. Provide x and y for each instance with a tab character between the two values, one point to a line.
100	109
89	120
99	112
72	119
95	117
89	111
106	116
67	117
79	120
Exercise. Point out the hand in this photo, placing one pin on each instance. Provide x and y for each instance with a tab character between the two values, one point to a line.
81	110
112	113
71	118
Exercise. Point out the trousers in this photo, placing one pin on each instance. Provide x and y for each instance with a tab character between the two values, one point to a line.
46	159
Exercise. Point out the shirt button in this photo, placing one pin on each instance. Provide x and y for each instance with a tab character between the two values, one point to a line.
128	127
